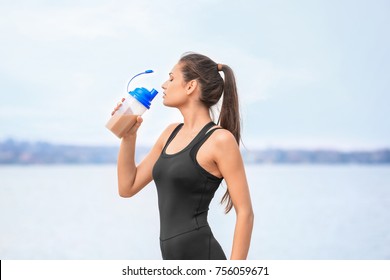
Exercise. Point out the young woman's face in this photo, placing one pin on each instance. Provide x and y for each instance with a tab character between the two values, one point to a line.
174	88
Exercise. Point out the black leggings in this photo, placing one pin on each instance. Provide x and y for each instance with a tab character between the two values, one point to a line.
198	244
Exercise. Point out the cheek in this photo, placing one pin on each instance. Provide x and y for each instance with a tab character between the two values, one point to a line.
175	97
175	89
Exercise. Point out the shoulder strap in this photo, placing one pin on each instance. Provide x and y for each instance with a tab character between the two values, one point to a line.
200	142
173	134
201	134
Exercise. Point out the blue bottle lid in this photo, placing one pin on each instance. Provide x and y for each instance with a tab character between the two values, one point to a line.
144	96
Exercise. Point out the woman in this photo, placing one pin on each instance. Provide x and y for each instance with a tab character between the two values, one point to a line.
189	161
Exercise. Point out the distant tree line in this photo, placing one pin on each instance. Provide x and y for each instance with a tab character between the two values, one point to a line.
24	152
280	156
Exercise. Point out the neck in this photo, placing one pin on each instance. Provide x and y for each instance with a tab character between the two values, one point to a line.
195	117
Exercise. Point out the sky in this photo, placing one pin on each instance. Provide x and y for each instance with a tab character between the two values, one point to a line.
310	74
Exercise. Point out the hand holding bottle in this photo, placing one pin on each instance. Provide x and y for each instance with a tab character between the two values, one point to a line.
132	125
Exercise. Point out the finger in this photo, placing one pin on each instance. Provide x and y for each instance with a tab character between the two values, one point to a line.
136	125
139	120
118	105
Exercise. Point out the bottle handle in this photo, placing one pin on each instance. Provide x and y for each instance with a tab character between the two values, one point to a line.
145	72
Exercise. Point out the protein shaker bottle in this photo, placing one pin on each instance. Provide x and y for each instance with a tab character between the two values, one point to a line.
135	104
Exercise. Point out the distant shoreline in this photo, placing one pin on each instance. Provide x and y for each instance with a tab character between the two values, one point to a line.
13	152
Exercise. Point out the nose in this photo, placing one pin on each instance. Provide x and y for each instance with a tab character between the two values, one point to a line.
164	85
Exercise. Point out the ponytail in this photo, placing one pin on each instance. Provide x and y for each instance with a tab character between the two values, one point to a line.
229	117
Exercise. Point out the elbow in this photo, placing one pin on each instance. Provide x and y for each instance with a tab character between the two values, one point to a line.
251	217
125	195
125	191
247	215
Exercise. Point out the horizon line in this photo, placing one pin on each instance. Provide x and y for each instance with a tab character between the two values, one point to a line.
242	146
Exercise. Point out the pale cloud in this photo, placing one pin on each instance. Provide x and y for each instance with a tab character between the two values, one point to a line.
53	23
106	19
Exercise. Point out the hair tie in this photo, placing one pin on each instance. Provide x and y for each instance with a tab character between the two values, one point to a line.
219	66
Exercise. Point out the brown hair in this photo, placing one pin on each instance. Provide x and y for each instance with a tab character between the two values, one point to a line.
201	68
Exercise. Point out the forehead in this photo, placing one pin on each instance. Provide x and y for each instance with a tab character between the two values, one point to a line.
176	69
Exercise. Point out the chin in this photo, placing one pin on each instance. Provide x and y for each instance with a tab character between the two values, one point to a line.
167	104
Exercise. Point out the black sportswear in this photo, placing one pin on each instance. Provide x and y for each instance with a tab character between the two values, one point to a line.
185	190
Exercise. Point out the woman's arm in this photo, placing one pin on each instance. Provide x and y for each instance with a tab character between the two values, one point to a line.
132	178
230	164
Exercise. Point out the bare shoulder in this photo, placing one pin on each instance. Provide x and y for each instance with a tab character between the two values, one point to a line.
224	140
169	129
223	136
166	133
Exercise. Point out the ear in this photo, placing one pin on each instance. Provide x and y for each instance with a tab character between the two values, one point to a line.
191	86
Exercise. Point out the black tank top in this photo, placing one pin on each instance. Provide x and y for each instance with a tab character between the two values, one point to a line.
184	188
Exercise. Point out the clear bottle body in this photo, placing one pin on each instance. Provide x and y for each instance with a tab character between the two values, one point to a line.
125	117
